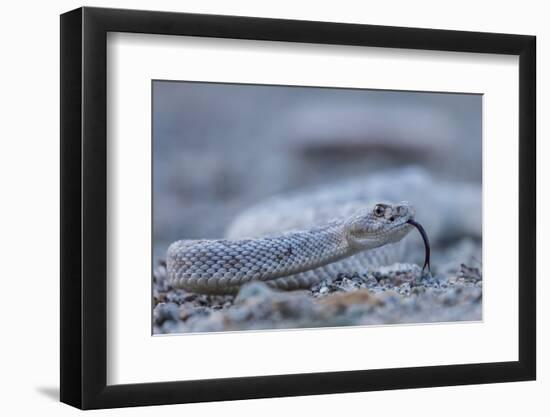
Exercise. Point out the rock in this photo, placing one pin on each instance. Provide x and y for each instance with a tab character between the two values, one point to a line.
165	312
253	290
342	301
469	274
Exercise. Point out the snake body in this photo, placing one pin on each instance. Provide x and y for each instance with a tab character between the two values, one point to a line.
296	241
287	261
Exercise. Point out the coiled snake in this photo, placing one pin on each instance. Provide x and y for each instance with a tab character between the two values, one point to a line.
358	236
292	260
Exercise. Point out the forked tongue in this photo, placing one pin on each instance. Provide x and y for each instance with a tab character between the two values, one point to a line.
426	243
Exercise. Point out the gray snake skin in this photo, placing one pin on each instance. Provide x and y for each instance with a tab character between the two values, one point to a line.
295	241
215	266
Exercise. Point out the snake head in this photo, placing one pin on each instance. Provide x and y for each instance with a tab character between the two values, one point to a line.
382	224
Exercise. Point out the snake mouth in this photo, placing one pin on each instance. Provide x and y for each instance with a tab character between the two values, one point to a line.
426	243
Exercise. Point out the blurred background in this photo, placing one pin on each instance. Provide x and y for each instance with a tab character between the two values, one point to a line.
220	148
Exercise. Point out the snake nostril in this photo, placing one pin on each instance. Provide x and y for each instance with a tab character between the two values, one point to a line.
392	219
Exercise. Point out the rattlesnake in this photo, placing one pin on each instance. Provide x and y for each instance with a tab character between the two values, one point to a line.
298	240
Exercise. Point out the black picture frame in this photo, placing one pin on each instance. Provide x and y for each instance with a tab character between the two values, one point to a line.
84	207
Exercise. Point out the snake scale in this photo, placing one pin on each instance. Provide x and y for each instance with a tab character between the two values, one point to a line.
295	241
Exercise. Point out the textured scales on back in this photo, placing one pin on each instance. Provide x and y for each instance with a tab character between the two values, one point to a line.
217	264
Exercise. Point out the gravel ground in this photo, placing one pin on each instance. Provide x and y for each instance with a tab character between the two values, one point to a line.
399	293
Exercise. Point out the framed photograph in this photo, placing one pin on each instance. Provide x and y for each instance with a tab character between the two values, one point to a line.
258	208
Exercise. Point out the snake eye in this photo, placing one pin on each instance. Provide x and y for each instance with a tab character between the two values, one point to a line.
379	211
